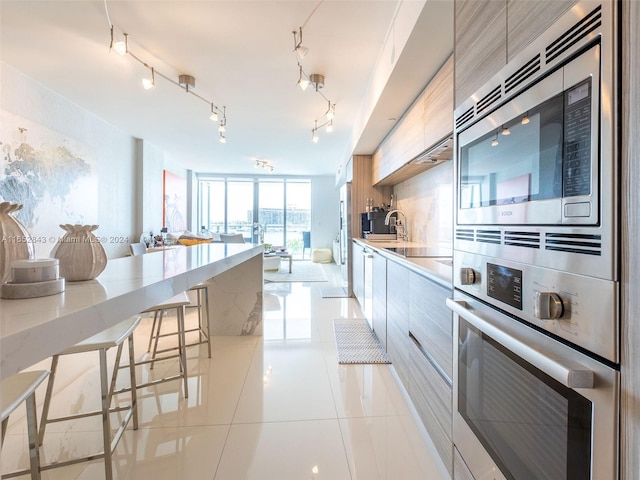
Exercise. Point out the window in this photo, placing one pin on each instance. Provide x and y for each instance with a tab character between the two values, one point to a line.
280	208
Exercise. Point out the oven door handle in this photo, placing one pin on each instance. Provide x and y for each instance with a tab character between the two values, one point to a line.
570	374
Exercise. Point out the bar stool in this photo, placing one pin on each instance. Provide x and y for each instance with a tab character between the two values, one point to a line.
202	303
16	389
103	341
179	302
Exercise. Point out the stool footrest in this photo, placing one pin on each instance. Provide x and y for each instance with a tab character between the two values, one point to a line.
94	413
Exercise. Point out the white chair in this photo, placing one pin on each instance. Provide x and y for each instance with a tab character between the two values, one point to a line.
137	248
103	341
16	389
232	237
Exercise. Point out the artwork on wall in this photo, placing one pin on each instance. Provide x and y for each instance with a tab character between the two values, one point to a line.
174	207
51	175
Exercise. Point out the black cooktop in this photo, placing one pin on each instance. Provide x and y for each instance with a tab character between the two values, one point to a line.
416	252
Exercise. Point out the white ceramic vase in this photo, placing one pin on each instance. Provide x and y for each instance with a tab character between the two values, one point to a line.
81	255
15	241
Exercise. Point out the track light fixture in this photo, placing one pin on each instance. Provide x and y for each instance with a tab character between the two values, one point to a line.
316	80
223	125
329	128
297	45
331	111
122	46
494	142
149	83
303	81
214	114
505	131
186	82
266	164
525	119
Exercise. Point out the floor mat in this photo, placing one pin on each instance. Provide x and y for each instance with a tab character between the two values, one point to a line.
334	292
357	343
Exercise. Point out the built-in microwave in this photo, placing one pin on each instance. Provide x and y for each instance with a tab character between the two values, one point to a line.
535	160
536	166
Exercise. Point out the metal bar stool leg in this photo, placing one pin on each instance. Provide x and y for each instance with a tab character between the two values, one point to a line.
112	337
106	421
183	350
16	389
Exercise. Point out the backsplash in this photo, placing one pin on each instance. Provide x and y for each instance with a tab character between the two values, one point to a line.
427	201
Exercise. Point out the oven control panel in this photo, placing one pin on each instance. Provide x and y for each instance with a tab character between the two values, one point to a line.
580	309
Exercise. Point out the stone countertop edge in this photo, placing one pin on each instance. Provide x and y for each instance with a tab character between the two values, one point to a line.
429	267
35	328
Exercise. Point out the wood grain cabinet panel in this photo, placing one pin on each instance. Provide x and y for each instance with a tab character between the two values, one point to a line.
480	44
437	103
398	319
430	321
426	122
432	397
526	20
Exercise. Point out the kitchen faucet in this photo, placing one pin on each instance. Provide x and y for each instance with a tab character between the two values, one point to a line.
405	234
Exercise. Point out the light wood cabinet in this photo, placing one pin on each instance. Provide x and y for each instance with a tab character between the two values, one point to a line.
480	47
428	121
490	33
431	360
437	105
362	189
526	20
630	272
398	319
431	322
432	397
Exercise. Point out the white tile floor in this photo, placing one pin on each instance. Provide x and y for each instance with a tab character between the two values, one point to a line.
278	407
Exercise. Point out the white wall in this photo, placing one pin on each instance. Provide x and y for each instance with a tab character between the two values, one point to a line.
128	170
325	207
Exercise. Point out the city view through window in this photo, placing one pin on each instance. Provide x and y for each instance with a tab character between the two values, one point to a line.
273	211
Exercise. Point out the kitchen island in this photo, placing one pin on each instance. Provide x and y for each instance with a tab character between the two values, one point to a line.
36	328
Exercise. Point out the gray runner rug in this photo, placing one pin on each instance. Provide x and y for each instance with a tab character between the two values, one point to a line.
357	343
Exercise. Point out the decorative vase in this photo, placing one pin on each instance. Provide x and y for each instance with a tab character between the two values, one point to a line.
15	241
81	255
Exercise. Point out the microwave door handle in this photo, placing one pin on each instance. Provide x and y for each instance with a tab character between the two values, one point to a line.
570	374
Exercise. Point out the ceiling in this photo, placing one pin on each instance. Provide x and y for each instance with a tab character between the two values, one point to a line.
376	58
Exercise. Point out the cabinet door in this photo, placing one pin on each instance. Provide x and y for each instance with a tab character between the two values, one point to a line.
432	397
480	44
357	259
398	319
526	20
437	102
431	322
379	293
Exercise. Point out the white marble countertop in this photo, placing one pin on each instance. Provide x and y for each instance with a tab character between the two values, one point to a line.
36	328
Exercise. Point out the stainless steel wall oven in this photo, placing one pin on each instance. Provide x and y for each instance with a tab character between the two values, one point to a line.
536	259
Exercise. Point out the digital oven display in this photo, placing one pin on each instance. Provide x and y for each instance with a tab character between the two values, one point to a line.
505	284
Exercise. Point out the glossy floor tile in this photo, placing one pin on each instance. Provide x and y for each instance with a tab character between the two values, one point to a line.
272	407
